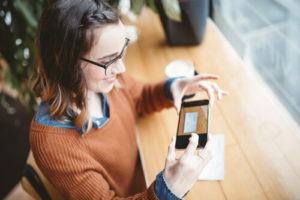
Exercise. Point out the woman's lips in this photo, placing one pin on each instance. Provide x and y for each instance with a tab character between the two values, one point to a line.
110	79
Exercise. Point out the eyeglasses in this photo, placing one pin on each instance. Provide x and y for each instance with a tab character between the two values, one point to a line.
107	65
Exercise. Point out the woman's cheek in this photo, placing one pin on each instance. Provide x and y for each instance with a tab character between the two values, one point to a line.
95	77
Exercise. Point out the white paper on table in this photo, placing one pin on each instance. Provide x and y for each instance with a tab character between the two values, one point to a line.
214	170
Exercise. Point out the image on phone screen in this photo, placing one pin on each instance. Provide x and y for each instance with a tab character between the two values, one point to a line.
193	118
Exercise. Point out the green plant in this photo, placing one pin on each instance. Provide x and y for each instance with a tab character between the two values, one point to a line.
18	24
171	7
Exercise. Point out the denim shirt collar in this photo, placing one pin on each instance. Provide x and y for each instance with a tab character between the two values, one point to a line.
43	117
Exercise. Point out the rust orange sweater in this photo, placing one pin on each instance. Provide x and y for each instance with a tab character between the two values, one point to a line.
101	164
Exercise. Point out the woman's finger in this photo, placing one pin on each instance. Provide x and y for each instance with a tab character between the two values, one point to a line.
209	92
209	143
202	77
225	92
177	101
178	89
192	146
206	153
177	105
217	90
220	92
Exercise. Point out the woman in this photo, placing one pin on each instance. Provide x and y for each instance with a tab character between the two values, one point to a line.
83	134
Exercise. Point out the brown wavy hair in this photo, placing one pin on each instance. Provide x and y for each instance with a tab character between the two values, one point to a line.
65	33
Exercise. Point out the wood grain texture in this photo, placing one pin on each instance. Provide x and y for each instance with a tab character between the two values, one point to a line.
262	139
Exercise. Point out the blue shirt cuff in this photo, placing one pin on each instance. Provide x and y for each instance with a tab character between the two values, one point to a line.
161	189
167	88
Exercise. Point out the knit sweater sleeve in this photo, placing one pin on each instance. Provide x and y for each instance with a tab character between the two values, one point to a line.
146	98
72	171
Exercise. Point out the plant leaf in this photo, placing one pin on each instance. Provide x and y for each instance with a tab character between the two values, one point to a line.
136	6
172	9
26	11
151	5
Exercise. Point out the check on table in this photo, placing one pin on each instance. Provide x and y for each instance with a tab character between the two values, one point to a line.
262	140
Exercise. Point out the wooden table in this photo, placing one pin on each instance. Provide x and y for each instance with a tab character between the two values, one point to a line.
262	144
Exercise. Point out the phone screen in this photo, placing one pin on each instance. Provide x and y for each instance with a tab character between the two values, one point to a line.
193	118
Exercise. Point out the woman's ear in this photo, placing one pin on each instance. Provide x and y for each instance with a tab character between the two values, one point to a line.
82	64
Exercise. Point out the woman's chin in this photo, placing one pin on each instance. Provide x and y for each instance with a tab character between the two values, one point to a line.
108	87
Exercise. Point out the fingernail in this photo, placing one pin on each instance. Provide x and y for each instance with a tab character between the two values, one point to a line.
193	137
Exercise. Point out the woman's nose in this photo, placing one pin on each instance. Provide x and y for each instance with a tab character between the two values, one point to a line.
119	67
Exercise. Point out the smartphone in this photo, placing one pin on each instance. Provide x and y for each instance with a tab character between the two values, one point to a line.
193	118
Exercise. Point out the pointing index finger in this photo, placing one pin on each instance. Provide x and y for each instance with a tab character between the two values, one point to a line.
192	146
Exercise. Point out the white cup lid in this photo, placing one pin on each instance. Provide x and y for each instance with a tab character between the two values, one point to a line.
178	68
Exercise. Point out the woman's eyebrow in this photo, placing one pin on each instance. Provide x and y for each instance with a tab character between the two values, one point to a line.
108	56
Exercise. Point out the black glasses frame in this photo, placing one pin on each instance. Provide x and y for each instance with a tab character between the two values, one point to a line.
105	66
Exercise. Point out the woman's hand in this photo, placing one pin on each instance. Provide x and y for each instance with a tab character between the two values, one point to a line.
181	174
191	85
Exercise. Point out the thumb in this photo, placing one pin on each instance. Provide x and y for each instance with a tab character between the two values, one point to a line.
177	101
171	157
178	88
177	105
